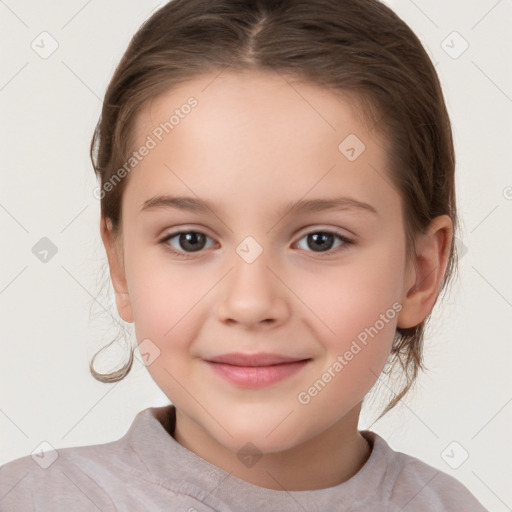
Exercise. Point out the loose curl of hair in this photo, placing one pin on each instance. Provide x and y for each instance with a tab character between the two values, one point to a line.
359	48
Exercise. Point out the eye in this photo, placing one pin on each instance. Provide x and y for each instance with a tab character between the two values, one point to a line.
322	241
187	242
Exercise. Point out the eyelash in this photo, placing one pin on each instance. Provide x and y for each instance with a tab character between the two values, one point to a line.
188	255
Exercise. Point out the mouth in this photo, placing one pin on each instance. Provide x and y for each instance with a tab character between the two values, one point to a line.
255	370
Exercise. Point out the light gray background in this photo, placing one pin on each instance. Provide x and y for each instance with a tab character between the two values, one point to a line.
53	316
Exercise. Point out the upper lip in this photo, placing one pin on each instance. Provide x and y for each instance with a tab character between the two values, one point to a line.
260	359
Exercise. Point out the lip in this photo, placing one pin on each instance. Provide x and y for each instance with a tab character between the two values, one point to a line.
258	359
255	370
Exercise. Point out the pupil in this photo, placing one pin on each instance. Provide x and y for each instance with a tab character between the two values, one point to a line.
320	239
191	240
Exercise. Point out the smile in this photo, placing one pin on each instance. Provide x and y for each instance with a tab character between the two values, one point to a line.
255	371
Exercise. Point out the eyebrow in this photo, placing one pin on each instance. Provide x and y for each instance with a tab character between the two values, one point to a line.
197	205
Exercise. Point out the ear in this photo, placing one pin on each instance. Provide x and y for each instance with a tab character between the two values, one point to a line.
424	275
113	248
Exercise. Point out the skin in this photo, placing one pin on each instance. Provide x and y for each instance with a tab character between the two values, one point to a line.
253	144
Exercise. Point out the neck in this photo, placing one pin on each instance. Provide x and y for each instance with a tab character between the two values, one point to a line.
327	460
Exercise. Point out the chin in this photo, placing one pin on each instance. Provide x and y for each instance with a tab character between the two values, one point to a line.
267	436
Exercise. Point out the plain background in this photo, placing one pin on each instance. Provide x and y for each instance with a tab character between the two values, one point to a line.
54	315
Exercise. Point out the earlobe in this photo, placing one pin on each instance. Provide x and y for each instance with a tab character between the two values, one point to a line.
113	248
425	274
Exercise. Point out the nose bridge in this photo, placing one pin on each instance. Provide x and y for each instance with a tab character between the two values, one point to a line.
252	293
250	265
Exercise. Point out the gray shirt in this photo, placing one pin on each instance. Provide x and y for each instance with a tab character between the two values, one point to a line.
147	470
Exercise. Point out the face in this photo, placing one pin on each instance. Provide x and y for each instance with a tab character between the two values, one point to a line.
321	285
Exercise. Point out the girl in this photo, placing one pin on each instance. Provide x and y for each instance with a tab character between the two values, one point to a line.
278	211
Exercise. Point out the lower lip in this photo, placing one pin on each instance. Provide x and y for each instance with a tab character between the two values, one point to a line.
256	376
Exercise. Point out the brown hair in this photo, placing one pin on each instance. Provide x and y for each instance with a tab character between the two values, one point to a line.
356	47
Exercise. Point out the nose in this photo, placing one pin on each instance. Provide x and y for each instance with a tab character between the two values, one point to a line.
253	295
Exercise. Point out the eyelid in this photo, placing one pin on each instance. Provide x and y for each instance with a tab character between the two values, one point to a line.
318	228
170	232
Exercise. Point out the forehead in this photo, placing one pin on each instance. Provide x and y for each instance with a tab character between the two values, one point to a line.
257	133
273	98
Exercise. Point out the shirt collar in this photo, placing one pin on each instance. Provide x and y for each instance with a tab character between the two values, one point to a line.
180	470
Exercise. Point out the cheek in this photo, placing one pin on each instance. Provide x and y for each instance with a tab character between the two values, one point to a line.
349	298
361	315
162	296
356	310
164	301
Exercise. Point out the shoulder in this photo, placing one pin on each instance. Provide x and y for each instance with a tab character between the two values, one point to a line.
127	474
70	477
110	477
414	485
